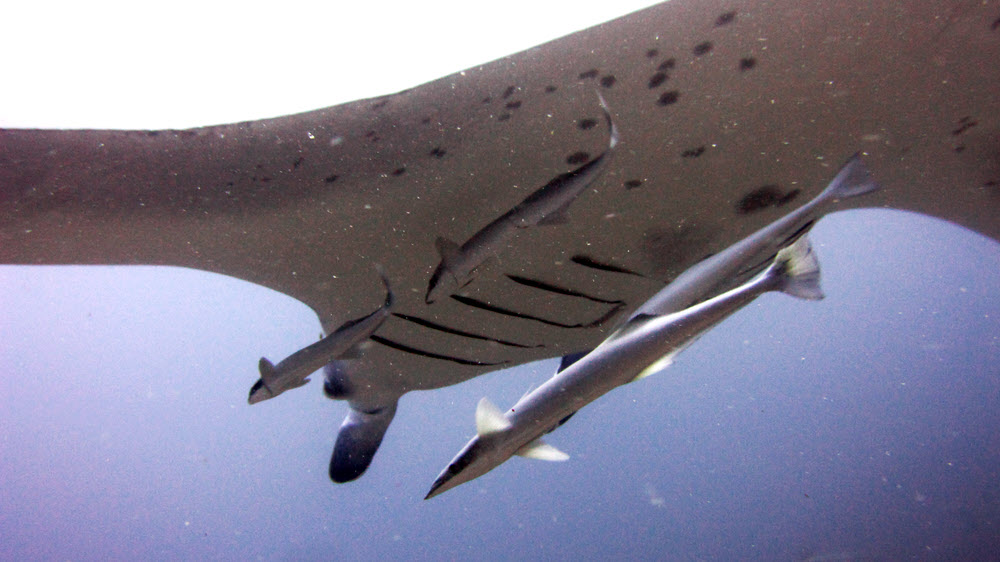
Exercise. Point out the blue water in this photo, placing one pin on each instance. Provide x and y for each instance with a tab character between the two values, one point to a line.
860	427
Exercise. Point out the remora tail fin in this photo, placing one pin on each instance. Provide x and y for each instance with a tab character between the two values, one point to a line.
390	297
852	180
800	274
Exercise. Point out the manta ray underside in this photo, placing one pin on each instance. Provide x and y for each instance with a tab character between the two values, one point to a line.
730	113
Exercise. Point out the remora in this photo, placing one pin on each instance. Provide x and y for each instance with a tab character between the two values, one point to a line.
639	352
294	370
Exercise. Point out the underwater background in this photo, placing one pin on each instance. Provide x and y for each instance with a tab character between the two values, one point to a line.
859	427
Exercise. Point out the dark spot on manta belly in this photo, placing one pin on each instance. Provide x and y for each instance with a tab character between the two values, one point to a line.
746	63
764	197
964	124
995	25
592	73
379	104
577	158
438	152
632	184
331	179
608	81
399	171
657	79
725	19
513	104
487	99
509	92
668	98
549	89
667	64
664	248
702	48
693	152
652	53
587	123
298	162
504	117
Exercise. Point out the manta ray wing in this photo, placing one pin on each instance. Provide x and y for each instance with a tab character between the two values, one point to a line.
729	114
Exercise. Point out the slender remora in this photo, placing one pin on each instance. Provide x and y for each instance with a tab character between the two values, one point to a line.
633	355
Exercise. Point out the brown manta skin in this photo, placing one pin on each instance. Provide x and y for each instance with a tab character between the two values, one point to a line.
730	113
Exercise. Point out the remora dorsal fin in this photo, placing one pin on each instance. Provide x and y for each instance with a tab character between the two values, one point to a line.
489	418
542	451
448	250
266	369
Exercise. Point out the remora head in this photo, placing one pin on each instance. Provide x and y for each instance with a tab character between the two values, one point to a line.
496	441
259	392
480	455
468	465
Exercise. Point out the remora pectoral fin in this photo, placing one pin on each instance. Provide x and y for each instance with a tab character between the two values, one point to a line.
665	361
542	451
557	217
489	418
658	365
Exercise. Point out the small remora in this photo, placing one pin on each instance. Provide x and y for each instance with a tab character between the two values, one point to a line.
546	205
294	370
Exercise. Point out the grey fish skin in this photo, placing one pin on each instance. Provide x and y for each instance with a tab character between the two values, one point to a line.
294	370
702	279
698	282
631	356
546	205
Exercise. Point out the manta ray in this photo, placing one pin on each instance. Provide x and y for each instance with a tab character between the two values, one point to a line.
726	115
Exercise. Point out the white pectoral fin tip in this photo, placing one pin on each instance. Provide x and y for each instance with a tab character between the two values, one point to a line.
542	451
659	365
489	418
